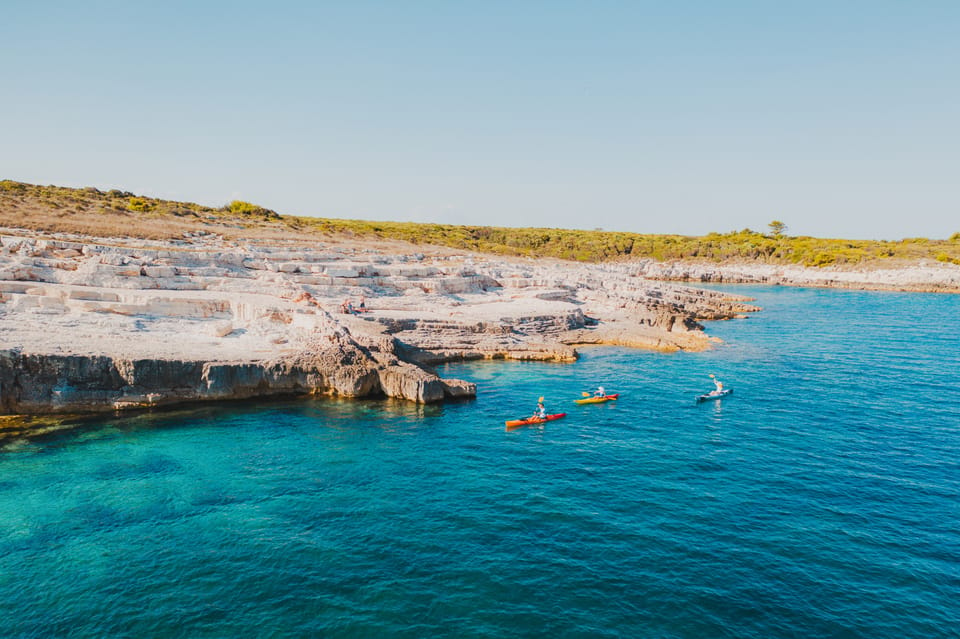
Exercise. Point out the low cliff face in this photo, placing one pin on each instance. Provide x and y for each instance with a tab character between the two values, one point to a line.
37	384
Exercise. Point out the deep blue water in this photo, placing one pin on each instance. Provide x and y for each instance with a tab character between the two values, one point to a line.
821	500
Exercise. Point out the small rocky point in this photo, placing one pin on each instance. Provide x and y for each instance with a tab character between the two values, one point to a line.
93	324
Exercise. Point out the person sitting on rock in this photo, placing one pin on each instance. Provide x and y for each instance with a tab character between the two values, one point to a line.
718	384
346	307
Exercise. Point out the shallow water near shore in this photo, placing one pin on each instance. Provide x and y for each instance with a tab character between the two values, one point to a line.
820	500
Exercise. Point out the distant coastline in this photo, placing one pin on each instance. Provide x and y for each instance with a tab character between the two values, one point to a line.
115	212
923	276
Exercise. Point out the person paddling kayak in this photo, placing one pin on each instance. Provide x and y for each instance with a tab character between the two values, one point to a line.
716	393
541	412
718	384
600	392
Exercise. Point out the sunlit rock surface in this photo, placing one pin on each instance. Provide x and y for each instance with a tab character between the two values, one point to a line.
104	324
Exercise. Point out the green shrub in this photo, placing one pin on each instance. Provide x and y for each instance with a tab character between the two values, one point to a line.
12	187
823	259
239	207
242	208
139	204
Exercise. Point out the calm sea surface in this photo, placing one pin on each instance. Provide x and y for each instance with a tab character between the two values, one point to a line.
821	500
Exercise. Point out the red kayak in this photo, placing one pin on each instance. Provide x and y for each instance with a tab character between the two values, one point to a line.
513	423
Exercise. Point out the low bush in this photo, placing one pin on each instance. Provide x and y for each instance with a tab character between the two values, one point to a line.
239	207
139	204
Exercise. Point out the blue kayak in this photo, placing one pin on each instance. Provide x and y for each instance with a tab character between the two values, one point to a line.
714	395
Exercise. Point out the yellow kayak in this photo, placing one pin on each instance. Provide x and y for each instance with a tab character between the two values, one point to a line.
596	400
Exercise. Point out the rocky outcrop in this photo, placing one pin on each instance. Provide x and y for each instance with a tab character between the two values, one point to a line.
532	337
106	324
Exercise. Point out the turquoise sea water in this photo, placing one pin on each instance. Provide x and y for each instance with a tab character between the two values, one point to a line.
821	500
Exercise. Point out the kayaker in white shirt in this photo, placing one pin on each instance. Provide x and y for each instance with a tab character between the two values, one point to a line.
718	384
541	412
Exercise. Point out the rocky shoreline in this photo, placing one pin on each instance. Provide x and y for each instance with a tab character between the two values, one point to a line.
95	324
920	277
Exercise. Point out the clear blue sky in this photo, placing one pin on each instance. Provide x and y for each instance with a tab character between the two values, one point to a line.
842	119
